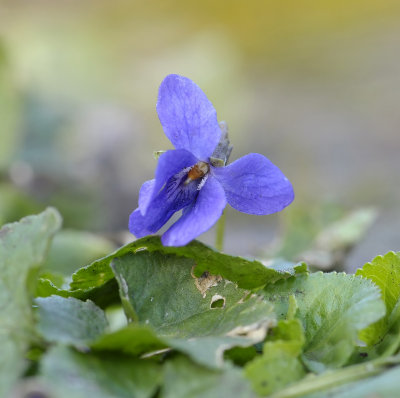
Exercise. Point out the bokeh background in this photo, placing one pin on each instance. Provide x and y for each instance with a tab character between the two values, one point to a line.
313	85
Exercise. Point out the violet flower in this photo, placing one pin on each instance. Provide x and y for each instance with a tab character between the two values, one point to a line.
194	178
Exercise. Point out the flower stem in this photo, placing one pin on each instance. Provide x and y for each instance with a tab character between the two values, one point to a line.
220	233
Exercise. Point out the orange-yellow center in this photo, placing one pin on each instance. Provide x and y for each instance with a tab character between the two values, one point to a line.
199	170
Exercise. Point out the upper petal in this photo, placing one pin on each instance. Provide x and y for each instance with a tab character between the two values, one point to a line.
254	185
188	118
199	217
169	164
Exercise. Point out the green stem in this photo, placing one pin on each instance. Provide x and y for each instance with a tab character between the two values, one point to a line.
220	233
336	378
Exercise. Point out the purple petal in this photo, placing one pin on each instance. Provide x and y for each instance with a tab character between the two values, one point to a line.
254	185
145	195
138	225
188	118
173	197
158	213
200	217
169	164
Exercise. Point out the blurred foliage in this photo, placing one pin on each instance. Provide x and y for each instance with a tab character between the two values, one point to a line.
312	85
71	250
322	235
14	203
301	225
10	111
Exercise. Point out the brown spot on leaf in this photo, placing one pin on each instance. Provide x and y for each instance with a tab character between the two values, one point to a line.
205	281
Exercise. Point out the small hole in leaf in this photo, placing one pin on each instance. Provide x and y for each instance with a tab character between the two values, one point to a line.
217	301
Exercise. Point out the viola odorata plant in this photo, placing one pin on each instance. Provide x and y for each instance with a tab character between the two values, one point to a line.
195	177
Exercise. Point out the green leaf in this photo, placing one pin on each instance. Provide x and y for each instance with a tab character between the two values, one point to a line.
292	307
56	279
291	332
390	344
275	369
248	274
279	364
103	295
209	350
72	249
70	374
183	379
23	247
241	355
161	291
333	309
134	339
384	271
69	321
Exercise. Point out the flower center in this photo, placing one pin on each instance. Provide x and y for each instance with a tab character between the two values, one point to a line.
199	170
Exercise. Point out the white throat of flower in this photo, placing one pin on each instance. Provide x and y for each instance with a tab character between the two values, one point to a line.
202	182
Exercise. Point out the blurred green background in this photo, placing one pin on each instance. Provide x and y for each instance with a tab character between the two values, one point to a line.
313	85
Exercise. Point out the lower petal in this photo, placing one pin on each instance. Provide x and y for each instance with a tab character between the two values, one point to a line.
169	164
138	225
142	225
145	195
254	185
199	217
173	197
